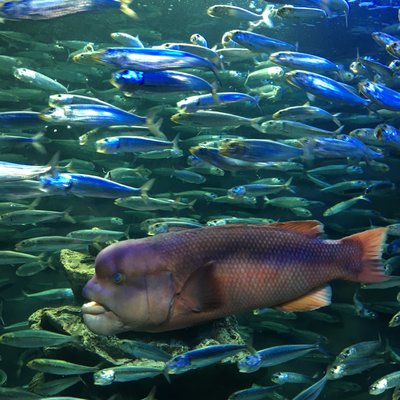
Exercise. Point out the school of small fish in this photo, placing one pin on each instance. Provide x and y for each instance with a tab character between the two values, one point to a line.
116	127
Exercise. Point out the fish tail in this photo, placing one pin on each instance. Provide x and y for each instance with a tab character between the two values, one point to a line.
336	120
214	69
175	142
127	10
146	187
53	164
154	126
370	243
287	185
67	216
255	123
266	17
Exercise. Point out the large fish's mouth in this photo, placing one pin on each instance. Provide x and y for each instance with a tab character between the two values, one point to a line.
94	308
101	320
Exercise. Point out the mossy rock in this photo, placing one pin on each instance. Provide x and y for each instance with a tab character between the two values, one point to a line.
79	268
68	320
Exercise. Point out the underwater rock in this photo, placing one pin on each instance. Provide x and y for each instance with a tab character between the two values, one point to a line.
79	268
68	320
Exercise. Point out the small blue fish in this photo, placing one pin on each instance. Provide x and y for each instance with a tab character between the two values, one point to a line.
308	62
213	156
258	43
130	81
91	186
133	144
202	357
90	115
127	40
381	95
325	88
147	59
207	101
21	120
198	39
49	9
341	147
388	135
259	150
274	356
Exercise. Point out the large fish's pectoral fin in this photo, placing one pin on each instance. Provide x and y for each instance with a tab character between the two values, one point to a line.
201	290
320	297
311	228
160	293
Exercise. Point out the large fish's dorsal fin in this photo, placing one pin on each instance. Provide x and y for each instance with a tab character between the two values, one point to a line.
320	297
311	228
200	291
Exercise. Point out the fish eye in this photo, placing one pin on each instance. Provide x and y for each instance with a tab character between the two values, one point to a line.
379	133
118	278
251	360
179	362
346	353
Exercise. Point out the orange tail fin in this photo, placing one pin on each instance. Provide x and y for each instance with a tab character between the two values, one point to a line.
369	244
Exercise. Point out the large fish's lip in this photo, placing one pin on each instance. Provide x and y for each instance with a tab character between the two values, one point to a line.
102	321
93	308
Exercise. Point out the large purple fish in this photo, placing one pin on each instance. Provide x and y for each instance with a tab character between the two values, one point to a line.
179	279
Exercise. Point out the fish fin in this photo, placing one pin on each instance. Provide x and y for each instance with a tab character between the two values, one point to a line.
266	17
146	187
255	123
311	97
38	146
200	292
160	289
370	244
311	228
67	216
127	10
336	119
154	126
339	130
320	297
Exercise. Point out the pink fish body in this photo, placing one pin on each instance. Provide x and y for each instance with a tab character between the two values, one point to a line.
180	279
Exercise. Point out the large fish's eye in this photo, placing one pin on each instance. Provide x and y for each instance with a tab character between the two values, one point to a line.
118	278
